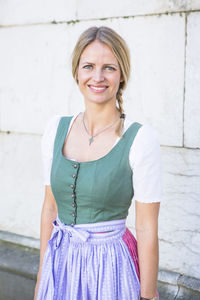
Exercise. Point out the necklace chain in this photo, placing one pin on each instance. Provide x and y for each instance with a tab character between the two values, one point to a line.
91	139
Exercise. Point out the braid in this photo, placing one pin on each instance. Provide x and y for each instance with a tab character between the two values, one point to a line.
120	103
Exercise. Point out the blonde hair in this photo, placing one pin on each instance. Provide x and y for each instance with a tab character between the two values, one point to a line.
119	48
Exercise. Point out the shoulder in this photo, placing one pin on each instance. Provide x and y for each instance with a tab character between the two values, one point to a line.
49	134
146	133
147	137
145	146
51	126
53	122
50	131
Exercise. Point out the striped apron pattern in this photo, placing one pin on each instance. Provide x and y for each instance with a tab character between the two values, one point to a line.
96	261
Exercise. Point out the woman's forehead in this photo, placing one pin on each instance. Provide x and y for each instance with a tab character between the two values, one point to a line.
97	51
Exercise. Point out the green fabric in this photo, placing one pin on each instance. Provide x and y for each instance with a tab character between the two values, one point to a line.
102	189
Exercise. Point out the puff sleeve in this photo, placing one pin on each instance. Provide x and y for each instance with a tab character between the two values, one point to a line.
47	145
145	161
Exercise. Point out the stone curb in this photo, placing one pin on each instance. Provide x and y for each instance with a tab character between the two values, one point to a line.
20	240
189	282
177	279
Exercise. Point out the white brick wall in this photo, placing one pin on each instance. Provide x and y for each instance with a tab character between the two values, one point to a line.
36	11
179	215
192	85
36	83
45	11
21	183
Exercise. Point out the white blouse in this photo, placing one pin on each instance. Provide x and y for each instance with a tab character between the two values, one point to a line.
144	159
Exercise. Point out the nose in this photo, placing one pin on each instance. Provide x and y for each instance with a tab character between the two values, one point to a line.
98	75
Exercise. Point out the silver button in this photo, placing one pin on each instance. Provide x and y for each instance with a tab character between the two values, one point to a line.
73	214
72	224
73	195
74	175
73	204
75	165
72	186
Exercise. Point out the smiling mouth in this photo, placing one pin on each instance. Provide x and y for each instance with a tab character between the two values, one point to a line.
97	89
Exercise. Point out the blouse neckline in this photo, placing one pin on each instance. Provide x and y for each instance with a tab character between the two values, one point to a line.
117	142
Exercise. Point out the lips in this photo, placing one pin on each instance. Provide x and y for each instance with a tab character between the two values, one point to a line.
97	88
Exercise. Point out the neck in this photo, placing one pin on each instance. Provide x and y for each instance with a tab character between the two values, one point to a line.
97	119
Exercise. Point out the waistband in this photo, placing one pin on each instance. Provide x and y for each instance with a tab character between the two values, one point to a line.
90	232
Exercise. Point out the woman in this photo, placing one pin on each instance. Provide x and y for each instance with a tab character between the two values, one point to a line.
94	162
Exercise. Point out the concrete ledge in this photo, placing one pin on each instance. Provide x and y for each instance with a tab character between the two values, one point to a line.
20	240
176	286
19	259
18	267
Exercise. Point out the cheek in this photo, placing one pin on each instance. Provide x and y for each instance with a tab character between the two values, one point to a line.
115	82
82	77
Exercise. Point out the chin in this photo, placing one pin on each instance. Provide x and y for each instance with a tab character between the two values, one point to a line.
99	100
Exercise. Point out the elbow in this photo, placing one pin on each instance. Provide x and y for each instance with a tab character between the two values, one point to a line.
147	233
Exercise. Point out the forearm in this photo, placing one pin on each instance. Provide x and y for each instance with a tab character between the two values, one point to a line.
48	215
148	252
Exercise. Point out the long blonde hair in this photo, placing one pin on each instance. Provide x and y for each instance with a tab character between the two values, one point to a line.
119	48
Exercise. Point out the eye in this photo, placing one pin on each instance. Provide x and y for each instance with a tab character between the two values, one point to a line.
87	67
109	68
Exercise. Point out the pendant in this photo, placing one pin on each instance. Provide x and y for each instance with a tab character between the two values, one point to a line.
91	140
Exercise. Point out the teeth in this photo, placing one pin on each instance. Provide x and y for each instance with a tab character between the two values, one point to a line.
98	88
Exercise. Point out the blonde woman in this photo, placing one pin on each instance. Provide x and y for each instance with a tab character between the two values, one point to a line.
94	163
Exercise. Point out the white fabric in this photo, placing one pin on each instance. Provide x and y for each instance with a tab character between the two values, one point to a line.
144	159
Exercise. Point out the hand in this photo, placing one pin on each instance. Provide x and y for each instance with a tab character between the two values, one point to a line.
37	285
36	291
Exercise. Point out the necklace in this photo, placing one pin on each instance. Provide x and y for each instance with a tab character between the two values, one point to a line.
91	139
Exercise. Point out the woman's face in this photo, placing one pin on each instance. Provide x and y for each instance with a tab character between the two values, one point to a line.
99	73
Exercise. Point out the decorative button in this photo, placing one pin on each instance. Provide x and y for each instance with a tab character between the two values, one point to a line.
74	175
72	224
73	195
72	186
73	204
75	166
73	214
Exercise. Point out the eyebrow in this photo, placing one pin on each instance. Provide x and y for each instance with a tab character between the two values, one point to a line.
107	64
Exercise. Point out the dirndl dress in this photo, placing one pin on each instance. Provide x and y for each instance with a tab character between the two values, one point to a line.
91	255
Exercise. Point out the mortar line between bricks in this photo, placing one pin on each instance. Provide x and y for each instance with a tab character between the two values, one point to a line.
177	286
177	292
184	76
8	132
53	22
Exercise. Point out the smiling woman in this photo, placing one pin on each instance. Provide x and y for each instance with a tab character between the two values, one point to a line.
94	163
117	59
98	80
